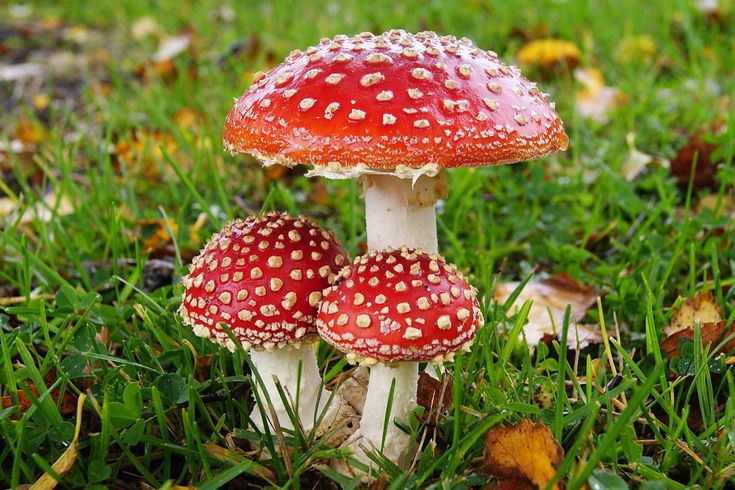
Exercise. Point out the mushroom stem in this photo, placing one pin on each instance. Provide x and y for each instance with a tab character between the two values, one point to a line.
284	365
401	211
374	412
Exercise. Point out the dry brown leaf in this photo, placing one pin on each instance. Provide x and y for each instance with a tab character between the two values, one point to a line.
596	100
522	455
66	461
701	308
712	333
550	299
548	53
700	150
66	404
435	396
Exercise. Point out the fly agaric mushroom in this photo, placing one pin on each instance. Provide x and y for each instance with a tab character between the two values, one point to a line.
263	277
394	109
391	310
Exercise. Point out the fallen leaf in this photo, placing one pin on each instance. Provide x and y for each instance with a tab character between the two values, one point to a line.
637	161
170	47
352	387
24	402
66	461
701	149
550	299
636	49
143	27
156	233
596	100
523	455
712	333
44	211
549	53
435	396
701	308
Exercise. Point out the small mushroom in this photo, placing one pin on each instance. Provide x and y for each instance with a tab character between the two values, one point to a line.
263	277
394	109
391	310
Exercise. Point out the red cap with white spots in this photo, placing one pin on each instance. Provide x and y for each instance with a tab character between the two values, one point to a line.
399	305
395	103
263	277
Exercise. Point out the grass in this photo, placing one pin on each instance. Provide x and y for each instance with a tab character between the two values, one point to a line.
138	156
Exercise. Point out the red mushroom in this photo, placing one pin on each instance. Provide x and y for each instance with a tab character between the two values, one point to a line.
263	277
395	109
391	310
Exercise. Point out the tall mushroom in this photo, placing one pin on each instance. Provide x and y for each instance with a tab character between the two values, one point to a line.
263	277
391	310
394	109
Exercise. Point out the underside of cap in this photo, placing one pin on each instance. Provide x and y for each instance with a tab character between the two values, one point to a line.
393	104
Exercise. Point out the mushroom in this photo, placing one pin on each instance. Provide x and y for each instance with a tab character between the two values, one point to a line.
263	277
391	310
394	109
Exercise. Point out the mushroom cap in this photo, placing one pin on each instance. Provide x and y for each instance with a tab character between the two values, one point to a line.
399	305
396	103
263	277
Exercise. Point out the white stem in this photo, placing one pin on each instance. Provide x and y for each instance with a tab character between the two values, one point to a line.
400	212
284	364
374	413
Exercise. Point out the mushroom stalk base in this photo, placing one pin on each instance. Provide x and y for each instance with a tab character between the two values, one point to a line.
400	212
374	412
284	365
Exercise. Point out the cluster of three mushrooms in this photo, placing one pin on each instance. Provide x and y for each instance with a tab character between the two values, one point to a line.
394	110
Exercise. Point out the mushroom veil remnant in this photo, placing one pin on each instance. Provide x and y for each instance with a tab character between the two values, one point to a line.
394	109
391	310
263	277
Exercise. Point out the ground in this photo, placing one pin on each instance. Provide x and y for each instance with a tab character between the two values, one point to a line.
113	176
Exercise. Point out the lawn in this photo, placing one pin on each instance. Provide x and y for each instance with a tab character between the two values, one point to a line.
114	176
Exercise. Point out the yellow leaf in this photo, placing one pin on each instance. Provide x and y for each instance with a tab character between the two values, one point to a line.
548	53
636	49
66	461
550	299
523	455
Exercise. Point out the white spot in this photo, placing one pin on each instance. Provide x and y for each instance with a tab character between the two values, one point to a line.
379	58
420	73
334	78
328	112
464	70
415	93
444	322
363	321
283	78
389	119
412	333
371	79
312	73
494	87
356	115
384	95
307	103
421	123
